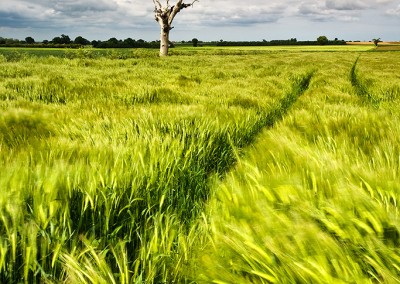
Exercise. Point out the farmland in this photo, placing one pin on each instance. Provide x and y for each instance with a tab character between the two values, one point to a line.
225	165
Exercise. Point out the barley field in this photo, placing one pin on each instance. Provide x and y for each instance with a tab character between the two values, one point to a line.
214	165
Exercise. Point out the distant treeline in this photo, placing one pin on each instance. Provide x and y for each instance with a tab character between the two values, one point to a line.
64	41
280	42
127	43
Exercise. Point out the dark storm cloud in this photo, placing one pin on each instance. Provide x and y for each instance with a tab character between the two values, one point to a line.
39	13
21	14
11	19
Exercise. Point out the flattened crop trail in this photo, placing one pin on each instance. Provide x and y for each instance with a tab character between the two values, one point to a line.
299	86
360	86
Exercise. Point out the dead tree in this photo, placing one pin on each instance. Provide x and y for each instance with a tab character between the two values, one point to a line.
164	15
376	41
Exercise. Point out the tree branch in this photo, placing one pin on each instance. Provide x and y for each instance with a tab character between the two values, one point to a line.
194	2
157	3
167	14
177	8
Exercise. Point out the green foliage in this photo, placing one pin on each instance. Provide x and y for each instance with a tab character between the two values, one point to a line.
63	39
29	40
322	40
81	40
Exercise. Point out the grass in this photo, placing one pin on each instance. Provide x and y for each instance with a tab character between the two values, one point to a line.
315	200
230	165
16	54
389	47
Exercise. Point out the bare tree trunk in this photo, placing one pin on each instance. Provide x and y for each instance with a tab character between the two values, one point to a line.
164	15
164	41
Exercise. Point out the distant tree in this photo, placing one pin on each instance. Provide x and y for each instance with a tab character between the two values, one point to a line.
95	43
29	40
45	41
322	40
57	40
164	15
12	41
2	40
129	42
195	41
65	39
80	40
113	40
376	41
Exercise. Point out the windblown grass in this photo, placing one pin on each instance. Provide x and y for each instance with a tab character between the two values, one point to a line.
377	79
107	161
117	168
316	199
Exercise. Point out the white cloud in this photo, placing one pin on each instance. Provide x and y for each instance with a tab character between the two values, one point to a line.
339	10
224	13
136	16
394	11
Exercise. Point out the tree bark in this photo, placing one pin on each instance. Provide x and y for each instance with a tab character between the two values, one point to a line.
164	38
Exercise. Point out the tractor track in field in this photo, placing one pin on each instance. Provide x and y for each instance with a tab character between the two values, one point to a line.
277	112
299	87
281	108
360	87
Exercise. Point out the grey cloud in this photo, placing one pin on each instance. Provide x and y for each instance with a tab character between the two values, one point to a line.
342	10
345	5
356	4
77	8
14	20
59	13
315	11
223	14
21	14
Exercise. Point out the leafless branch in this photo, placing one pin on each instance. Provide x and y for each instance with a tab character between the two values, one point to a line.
169	12
157	4
194	2
177	8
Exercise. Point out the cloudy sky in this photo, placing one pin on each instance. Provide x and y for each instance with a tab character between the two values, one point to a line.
207	20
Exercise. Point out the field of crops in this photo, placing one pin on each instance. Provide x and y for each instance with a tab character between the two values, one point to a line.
214	165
